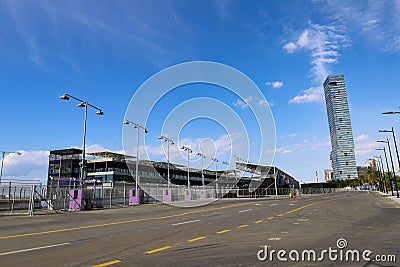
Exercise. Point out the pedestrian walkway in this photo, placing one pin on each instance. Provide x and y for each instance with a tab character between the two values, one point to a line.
389	195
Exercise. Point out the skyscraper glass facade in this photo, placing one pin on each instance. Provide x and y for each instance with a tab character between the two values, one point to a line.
343	158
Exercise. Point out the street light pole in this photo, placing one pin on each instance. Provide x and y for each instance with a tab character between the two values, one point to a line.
202	166
136	126
83	104
397	153
226	164
391	159
169	141
387	166
216	174
188	151
381	172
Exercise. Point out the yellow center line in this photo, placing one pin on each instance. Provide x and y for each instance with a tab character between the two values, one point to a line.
197	239
260	221
107	263
280	215
270	218
243	226
223	231
123	222
157	250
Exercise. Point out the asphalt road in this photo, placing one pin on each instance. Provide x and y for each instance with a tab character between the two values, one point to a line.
225	233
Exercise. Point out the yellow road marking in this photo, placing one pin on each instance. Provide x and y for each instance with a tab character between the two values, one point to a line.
223	231
197	239
123	222
270	218
280	215
260	221
157	250
107	263
243	226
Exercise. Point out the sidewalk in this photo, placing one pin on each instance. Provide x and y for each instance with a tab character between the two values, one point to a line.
389	195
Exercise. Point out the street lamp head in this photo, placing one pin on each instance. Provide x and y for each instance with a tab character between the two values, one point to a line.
391	112
81	105
161	137
182	147
126	122
64	97
172	143
100	113
145	130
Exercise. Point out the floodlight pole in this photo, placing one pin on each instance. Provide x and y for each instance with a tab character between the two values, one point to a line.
202	167
188	169
136	126
169	141
85	104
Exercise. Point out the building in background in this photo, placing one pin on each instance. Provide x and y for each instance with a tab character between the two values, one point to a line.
328	175
342	157
64	167
371	163
361	172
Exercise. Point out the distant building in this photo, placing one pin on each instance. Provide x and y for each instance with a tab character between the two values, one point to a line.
371	163
361	171
342	157
328	175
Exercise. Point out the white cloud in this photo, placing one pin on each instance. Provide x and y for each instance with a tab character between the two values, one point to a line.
280	150
376	20
322	42
29	165
364	148
291	135
290	47
265	103
312	94
362	137
242	103
276	84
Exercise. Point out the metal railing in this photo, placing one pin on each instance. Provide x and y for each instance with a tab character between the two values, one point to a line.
35	198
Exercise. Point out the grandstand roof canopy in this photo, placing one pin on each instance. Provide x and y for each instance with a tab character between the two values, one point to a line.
109	154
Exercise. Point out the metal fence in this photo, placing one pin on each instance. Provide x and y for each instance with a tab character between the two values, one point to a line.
30	198
16	198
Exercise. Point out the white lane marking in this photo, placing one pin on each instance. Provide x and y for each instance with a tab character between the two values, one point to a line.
185	222
301	220
295	223
245	210
284	232
274	238
291	204
257	204
32	249
274	204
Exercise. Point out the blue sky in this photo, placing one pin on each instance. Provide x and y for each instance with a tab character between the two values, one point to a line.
103	51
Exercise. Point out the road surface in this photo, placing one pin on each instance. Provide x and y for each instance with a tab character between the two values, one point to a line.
225	233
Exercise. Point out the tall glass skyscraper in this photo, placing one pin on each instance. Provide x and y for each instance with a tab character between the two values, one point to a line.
343	158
